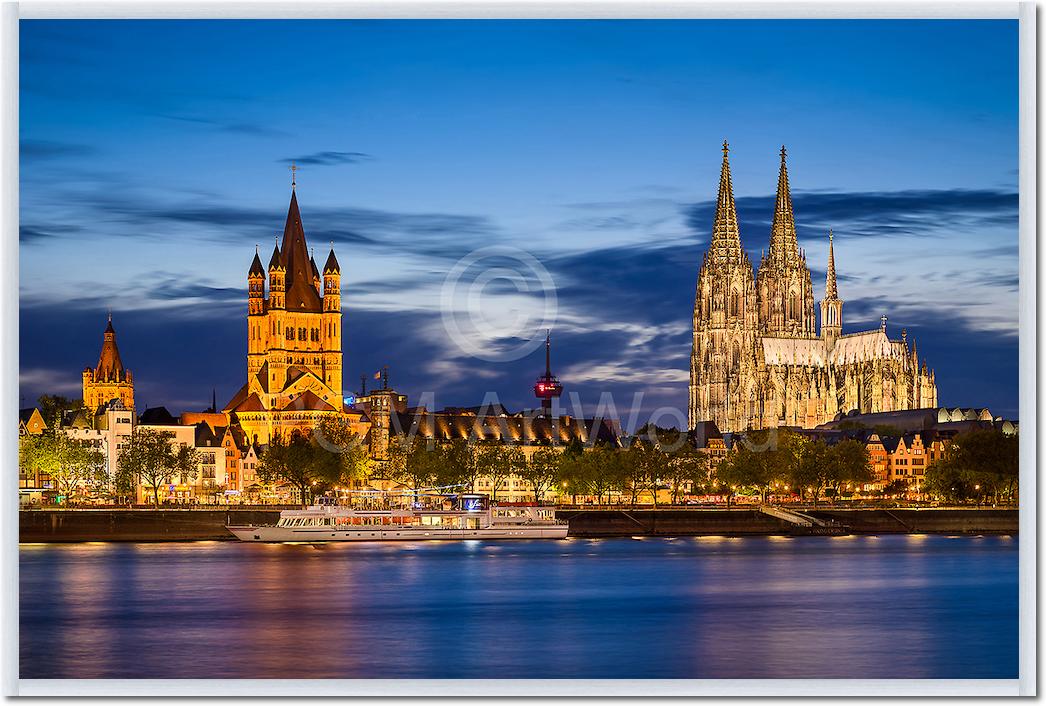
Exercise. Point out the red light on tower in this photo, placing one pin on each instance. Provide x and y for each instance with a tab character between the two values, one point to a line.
547	386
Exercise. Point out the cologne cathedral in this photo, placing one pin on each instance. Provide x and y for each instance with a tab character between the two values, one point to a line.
758	360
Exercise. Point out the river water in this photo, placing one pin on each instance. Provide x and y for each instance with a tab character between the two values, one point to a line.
811	607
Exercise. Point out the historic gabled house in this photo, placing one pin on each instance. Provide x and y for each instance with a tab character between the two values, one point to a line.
758	360
294	341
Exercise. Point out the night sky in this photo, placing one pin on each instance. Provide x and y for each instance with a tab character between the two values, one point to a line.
154	156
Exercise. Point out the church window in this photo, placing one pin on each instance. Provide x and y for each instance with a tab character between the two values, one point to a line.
302	334
290	334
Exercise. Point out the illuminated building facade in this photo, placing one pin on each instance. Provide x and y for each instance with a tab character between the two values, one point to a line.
294	340
109	380
757	360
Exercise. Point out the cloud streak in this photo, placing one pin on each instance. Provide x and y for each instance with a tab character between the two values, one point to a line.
328	159
873	213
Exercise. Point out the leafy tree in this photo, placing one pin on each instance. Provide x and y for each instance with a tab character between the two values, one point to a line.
805	464
751	464
602	471
149	458
497	462
456	465
53	407
302	462
687	469
542	471
72	464
978	464
851	461
337	437
413	463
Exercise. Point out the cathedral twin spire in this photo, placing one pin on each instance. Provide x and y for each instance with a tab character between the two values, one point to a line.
726	235
784	246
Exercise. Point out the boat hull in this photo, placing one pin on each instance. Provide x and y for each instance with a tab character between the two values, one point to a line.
393	534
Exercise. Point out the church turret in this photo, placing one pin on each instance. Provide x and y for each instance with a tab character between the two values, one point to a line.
256	287
332	283
831	305
277	280
332	321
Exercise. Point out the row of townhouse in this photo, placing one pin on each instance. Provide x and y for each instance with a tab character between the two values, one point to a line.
905	458
227	469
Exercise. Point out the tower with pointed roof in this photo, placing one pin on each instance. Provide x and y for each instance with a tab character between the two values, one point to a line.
831	305
294	338
725	320
108	380
757	360
786	299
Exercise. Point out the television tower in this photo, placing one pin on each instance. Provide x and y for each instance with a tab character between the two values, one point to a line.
548	385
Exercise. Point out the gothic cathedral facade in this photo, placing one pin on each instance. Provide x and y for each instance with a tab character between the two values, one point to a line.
758	360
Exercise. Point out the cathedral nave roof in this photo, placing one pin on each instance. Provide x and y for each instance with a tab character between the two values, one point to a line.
862	347
793	351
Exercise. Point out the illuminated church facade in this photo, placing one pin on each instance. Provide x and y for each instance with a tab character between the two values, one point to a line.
294	340
758	360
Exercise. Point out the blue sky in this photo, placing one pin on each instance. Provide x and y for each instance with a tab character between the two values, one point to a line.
154	157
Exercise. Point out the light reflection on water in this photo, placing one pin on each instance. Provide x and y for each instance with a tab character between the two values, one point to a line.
811	607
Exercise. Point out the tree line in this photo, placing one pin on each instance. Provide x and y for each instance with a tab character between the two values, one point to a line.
979	465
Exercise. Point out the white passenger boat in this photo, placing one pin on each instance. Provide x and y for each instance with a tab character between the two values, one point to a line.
460	517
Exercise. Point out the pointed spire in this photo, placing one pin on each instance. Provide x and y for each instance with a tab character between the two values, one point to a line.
256	265
830	289
275	262
332	265
110	367
783	241
726	236
301	289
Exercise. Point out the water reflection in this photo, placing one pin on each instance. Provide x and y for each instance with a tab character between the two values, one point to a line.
873	607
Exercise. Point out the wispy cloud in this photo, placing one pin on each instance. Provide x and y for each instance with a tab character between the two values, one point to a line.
874	213
52	149
327	159
28	233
